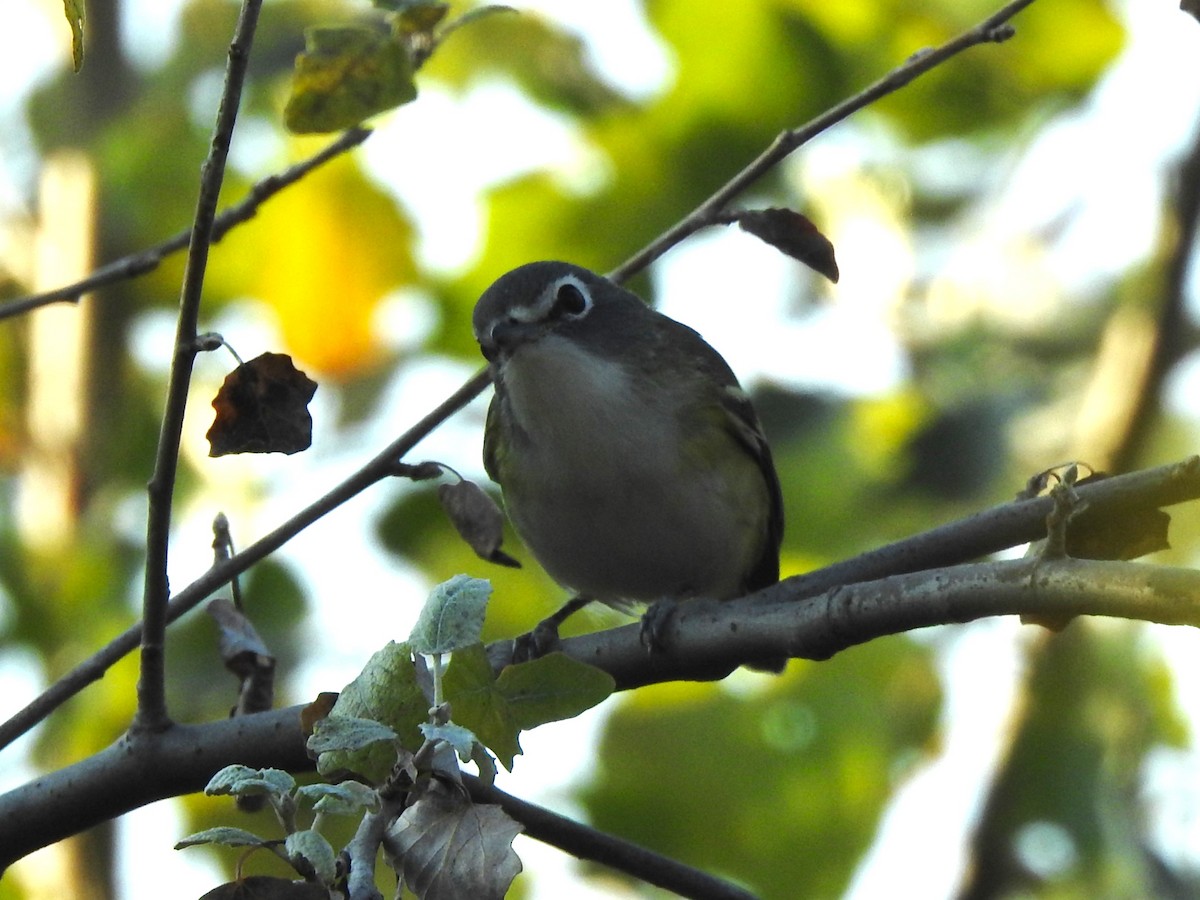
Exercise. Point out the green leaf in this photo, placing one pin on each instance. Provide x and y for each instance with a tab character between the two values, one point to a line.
452	617
230	837
312	846
346	75
552	688
76	14
386	691
462	739
242	780
349	798
544	690
347	733
477	703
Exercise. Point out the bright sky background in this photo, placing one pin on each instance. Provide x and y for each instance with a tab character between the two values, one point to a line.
1109	160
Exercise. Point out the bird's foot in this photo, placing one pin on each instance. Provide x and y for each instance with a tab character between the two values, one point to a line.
655	622
544	639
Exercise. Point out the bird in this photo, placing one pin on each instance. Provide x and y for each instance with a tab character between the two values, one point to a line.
632	464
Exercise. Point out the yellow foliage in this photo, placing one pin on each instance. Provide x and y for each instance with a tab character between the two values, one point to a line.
322	255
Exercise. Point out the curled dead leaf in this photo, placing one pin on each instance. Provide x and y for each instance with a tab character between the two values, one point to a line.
477	519
262	407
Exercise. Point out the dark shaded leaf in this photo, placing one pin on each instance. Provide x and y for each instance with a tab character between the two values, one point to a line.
245	654
446	847
791	233
262	407
419	16
264	887
478	520
316	711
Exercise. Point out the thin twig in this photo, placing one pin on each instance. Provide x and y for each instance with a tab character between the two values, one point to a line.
625	856
1173	335
378	469
152	707
992	30
148	260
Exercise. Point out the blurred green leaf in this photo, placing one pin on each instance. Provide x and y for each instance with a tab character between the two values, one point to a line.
797	773
1063	811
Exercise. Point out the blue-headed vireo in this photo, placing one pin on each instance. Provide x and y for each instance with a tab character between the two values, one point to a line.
633	465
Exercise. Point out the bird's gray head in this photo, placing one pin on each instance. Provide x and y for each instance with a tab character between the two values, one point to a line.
543	297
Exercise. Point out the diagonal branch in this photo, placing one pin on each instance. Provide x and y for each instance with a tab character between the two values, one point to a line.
152	706
584	842
993	30
148	260
379	468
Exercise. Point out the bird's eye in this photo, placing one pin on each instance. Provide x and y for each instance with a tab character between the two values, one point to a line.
570	300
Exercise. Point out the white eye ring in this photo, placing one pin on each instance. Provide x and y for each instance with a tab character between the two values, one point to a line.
569	298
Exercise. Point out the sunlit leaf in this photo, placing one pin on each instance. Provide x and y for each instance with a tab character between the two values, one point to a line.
386	691
346	75
452	617
76	13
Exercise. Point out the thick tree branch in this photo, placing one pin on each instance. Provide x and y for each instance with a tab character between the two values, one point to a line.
703	640
990	531
152	707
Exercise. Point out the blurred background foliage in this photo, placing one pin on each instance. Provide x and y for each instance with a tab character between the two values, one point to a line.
1001	363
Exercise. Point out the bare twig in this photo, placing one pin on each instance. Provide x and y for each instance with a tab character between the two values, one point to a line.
152	707
994	29
1173	336
148	260
584	842
378	469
